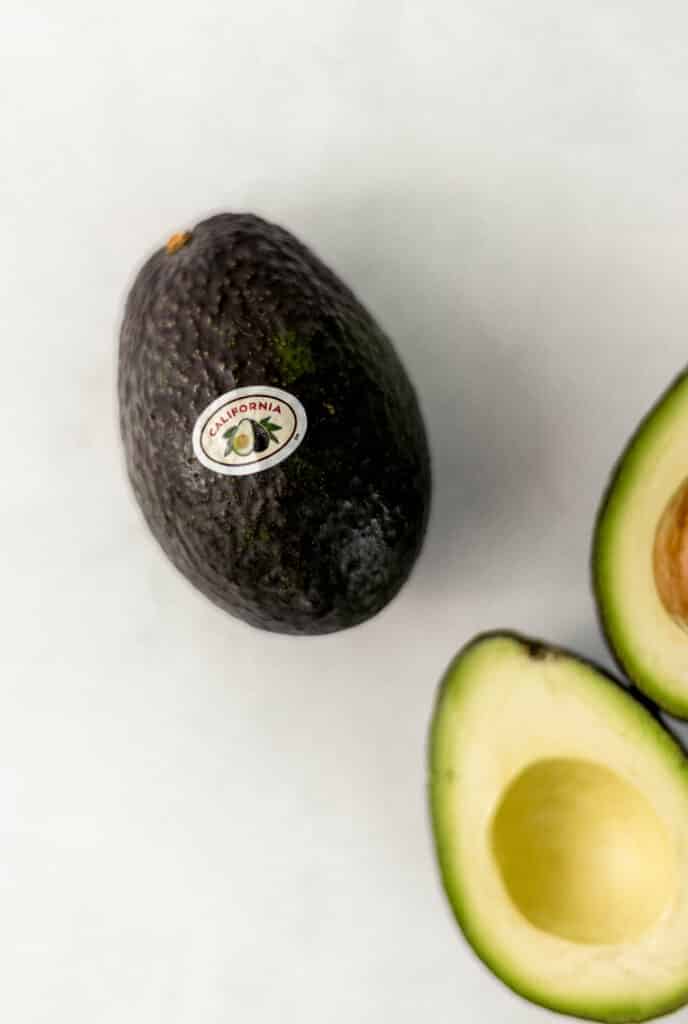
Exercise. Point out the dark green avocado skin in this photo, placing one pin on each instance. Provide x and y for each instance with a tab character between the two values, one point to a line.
325	539
261	438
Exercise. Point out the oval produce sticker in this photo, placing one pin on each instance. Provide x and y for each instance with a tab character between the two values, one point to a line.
248	430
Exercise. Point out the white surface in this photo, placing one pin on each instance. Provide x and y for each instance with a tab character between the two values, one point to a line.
202	823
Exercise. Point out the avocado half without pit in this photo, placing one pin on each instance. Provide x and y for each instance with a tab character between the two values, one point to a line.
640	554
560	814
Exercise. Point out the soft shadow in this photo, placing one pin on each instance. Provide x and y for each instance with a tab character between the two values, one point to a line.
585	638
491	427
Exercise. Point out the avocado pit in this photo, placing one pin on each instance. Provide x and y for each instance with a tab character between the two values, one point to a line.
670	556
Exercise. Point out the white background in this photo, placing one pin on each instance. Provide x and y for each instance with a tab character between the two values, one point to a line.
201	823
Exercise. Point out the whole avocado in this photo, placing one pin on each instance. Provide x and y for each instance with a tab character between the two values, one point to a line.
325	538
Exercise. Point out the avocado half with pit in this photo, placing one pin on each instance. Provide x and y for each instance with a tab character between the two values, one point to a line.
243	442
640	554
560	814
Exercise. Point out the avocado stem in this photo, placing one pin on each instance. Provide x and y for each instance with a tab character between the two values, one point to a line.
670	556
177	241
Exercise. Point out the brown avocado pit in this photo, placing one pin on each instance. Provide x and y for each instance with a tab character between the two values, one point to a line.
670	556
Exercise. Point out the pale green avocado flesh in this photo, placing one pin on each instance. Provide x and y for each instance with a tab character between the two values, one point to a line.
560	815
243	442
650	644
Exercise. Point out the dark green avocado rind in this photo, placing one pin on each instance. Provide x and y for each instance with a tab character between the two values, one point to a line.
451	681
658	690
261	438
325	539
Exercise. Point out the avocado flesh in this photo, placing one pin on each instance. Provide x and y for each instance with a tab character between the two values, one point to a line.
243	439
649	643
560	814
325	539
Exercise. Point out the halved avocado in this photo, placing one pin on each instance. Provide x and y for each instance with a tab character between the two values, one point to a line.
244	438
560	814
640	554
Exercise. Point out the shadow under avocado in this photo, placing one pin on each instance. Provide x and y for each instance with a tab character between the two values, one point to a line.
491	427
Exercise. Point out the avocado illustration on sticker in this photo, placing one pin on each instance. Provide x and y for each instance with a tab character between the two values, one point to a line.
248	430
250	436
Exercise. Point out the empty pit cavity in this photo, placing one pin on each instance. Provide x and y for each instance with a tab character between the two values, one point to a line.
582	853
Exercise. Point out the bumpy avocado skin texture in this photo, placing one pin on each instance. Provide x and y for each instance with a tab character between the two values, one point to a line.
324	540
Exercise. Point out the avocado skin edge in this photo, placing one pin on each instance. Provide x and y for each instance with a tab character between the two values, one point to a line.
538	650
326	539
644	688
